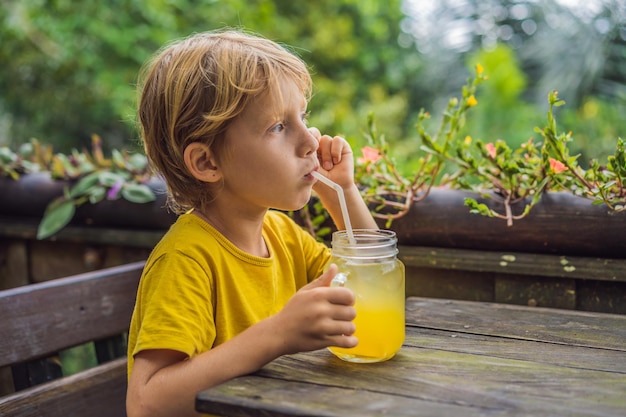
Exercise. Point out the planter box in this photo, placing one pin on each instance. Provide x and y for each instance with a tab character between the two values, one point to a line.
31	194
561	224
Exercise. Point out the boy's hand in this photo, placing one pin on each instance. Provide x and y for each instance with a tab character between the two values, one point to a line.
335	158
316	317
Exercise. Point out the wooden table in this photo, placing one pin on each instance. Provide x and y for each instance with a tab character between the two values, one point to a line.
460	358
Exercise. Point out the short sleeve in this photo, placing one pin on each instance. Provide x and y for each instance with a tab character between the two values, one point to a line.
175	306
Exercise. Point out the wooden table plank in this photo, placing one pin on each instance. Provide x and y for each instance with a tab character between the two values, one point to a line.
576	328
322	368
459	359
259	396
434	381
464	378
561	355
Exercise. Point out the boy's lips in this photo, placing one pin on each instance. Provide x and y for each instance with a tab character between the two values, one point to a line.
310	173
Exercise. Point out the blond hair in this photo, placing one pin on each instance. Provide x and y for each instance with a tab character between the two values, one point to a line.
192	89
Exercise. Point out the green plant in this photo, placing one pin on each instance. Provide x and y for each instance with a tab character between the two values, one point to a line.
13	164
604	184
384	185
92	176
52	50
492	169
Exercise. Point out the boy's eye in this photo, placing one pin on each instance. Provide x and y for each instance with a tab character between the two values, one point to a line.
278	128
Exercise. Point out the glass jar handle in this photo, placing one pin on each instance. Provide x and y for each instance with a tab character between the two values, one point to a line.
339	280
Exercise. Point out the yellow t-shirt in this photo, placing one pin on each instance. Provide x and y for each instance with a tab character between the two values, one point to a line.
198	290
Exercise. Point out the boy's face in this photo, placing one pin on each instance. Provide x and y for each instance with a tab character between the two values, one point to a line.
271	153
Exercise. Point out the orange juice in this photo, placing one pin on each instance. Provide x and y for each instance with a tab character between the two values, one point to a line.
379	291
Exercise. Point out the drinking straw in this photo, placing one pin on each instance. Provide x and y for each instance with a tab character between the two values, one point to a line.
342	204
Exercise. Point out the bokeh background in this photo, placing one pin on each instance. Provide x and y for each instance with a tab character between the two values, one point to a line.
68	68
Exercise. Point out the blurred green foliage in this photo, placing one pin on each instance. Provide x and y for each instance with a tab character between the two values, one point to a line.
528	48
505	114
78	358
69	68
502	94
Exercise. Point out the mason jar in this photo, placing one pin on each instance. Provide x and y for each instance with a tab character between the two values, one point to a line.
368	265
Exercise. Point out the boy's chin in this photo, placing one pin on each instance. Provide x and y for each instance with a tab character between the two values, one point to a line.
294	207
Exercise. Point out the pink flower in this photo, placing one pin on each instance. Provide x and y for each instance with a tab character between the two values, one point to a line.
369	155
113	192
557	166
491	150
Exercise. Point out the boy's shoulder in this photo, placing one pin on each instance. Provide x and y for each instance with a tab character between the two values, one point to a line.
185	231
279	220
281	227
278	217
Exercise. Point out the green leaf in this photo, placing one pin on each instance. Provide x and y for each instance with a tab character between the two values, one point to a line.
118	158
319	219
109	179
477	208
7	156
96	194
429	150
324	231
138	162
85	166
58	214
83	185
137	193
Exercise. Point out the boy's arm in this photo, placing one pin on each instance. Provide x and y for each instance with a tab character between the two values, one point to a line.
165	382
360	215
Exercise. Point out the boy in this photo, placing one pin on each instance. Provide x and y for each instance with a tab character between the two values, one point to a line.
234	285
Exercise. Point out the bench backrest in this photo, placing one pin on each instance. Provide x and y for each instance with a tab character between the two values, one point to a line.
41	319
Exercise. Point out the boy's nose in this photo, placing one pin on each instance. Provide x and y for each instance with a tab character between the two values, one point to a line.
310	143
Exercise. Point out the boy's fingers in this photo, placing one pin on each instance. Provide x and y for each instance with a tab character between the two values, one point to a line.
345	314
336	149
343	341
324	279
343	296
324	152
346	328
315	132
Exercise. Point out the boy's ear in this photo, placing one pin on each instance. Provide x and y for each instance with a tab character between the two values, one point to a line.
201	163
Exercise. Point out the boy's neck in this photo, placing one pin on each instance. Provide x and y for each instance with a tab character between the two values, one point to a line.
245	233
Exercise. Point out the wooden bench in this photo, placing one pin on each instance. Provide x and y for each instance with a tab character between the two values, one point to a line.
40	320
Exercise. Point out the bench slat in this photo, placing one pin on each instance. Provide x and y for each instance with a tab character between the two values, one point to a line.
96	392
40	319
